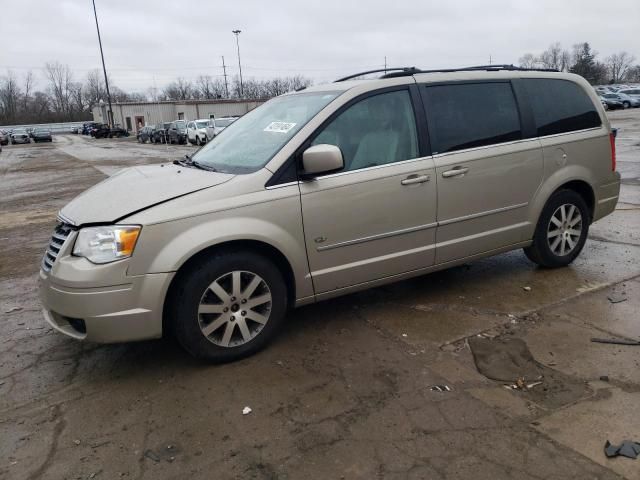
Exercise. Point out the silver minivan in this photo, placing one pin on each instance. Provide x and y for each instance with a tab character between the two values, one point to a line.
330	190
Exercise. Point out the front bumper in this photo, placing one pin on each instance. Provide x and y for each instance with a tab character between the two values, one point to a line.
129	311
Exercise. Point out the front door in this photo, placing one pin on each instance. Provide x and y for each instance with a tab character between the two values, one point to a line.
486	172
376	217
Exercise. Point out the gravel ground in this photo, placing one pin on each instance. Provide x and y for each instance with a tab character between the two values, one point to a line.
345	391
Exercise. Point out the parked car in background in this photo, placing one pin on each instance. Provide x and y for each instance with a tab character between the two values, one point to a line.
161	132
612	101
633	92
87	127
144	135
118	131
217	125
74	129
100	130
42	135
197	131
4	137
19	135
627	100
178	132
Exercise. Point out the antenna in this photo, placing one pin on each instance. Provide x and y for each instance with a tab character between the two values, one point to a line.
224	69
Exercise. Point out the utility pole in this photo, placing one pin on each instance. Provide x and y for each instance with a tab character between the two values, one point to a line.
104	69
490	59
237	33
385	64
224	69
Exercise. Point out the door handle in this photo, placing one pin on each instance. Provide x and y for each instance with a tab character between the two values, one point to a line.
413	179
456	171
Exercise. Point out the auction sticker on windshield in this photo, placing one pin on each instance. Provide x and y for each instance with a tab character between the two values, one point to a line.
279	127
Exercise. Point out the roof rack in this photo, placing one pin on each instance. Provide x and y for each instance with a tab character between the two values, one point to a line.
406	71
398	71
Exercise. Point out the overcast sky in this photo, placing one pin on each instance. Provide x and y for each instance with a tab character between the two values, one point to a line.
146	41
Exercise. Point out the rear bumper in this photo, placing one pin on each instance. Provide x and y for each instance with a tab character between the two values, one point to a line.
120	313
607	198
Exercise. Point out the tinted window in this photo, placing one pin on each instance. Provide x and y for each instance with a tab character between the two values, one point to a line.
560	106
375	131
471	115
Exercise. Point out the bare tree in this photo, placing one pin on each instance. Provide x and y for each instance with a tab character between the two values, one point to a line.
26	92
528	60
60	84
180	89
9	95
633	75
209	88
618	65
555	58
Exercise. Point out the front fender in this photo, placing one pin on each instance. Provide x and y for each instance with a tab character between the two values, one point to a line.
165	247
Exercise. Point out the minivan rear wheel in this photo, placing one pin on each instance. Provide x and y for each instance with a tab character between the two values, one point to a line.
561	231
228	306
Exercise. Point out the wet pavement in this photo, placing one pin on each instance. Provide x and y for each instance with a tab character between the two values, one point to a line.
345	391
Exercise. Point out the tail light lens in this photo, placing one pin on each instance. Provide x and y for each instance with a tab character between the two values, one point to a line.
612	140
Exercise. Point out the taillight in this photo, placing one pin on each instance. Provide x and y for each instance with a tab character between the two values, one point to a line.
612	140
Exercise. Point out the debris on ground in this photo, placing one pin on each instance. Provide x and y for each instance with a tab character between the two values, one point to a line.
604	378
615	341
627	449
440	388
526	289
520	384
151	455
13	309
246	410
77	442
617	297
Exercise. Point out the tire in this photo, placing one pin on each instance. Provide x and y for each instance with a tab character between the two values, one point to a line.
193	291
626	104
550	252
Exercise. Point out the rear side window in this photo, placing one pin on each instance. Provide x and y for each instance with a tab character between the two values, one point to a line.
560	106
471	115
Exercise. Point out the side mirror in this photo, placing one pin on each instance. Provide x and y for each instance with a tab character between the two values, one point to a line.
323	158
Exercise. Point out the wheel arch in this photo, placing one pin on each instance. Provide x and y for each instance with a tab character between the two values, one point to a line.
243	245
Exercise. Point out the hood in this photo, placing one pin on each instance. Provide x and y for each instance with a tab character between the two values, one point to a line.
136	188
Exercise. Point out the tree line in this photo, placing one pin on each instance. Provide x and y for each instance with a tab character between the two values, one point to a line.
62	98
583	60
65	98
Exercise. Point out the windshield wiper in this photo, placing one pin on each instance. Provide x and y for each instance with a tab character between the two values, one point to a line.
188	162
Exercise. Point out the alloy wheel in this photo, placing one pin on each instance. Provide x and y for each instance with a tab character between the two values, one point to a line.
564	229
234	308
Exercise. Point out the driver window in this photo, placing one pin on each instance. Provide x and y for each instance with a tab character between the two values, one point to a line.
375	131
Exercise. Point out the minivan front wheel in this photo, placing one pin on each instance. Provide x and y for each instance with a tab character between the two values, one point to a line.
561	231
228	306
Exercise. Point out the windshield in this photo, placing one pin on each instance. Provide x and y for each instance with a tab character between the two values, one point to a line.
252	140
19	131
224	122
181	124
202	124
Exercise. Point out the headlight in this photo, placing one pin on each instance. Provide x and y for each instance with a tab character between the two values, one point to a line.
106	244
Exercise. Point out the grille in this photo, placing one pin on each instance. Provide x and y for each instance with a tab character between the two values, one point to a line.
58	238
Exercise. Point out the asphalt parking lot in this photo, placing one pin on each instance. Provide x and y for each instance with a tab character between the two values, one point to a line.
345	391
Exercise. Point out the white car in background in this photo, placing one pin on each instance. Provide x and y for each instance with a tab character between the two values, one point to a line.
197	131
216	125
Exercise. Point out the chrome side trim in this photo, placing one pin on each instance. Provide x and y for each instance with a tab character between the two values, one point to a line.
485	147
282	185
608	199
376	167
377	237
482	214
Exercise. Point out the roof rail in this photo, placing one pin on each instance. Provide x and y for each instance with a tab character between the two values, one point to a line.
405	71
398	71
